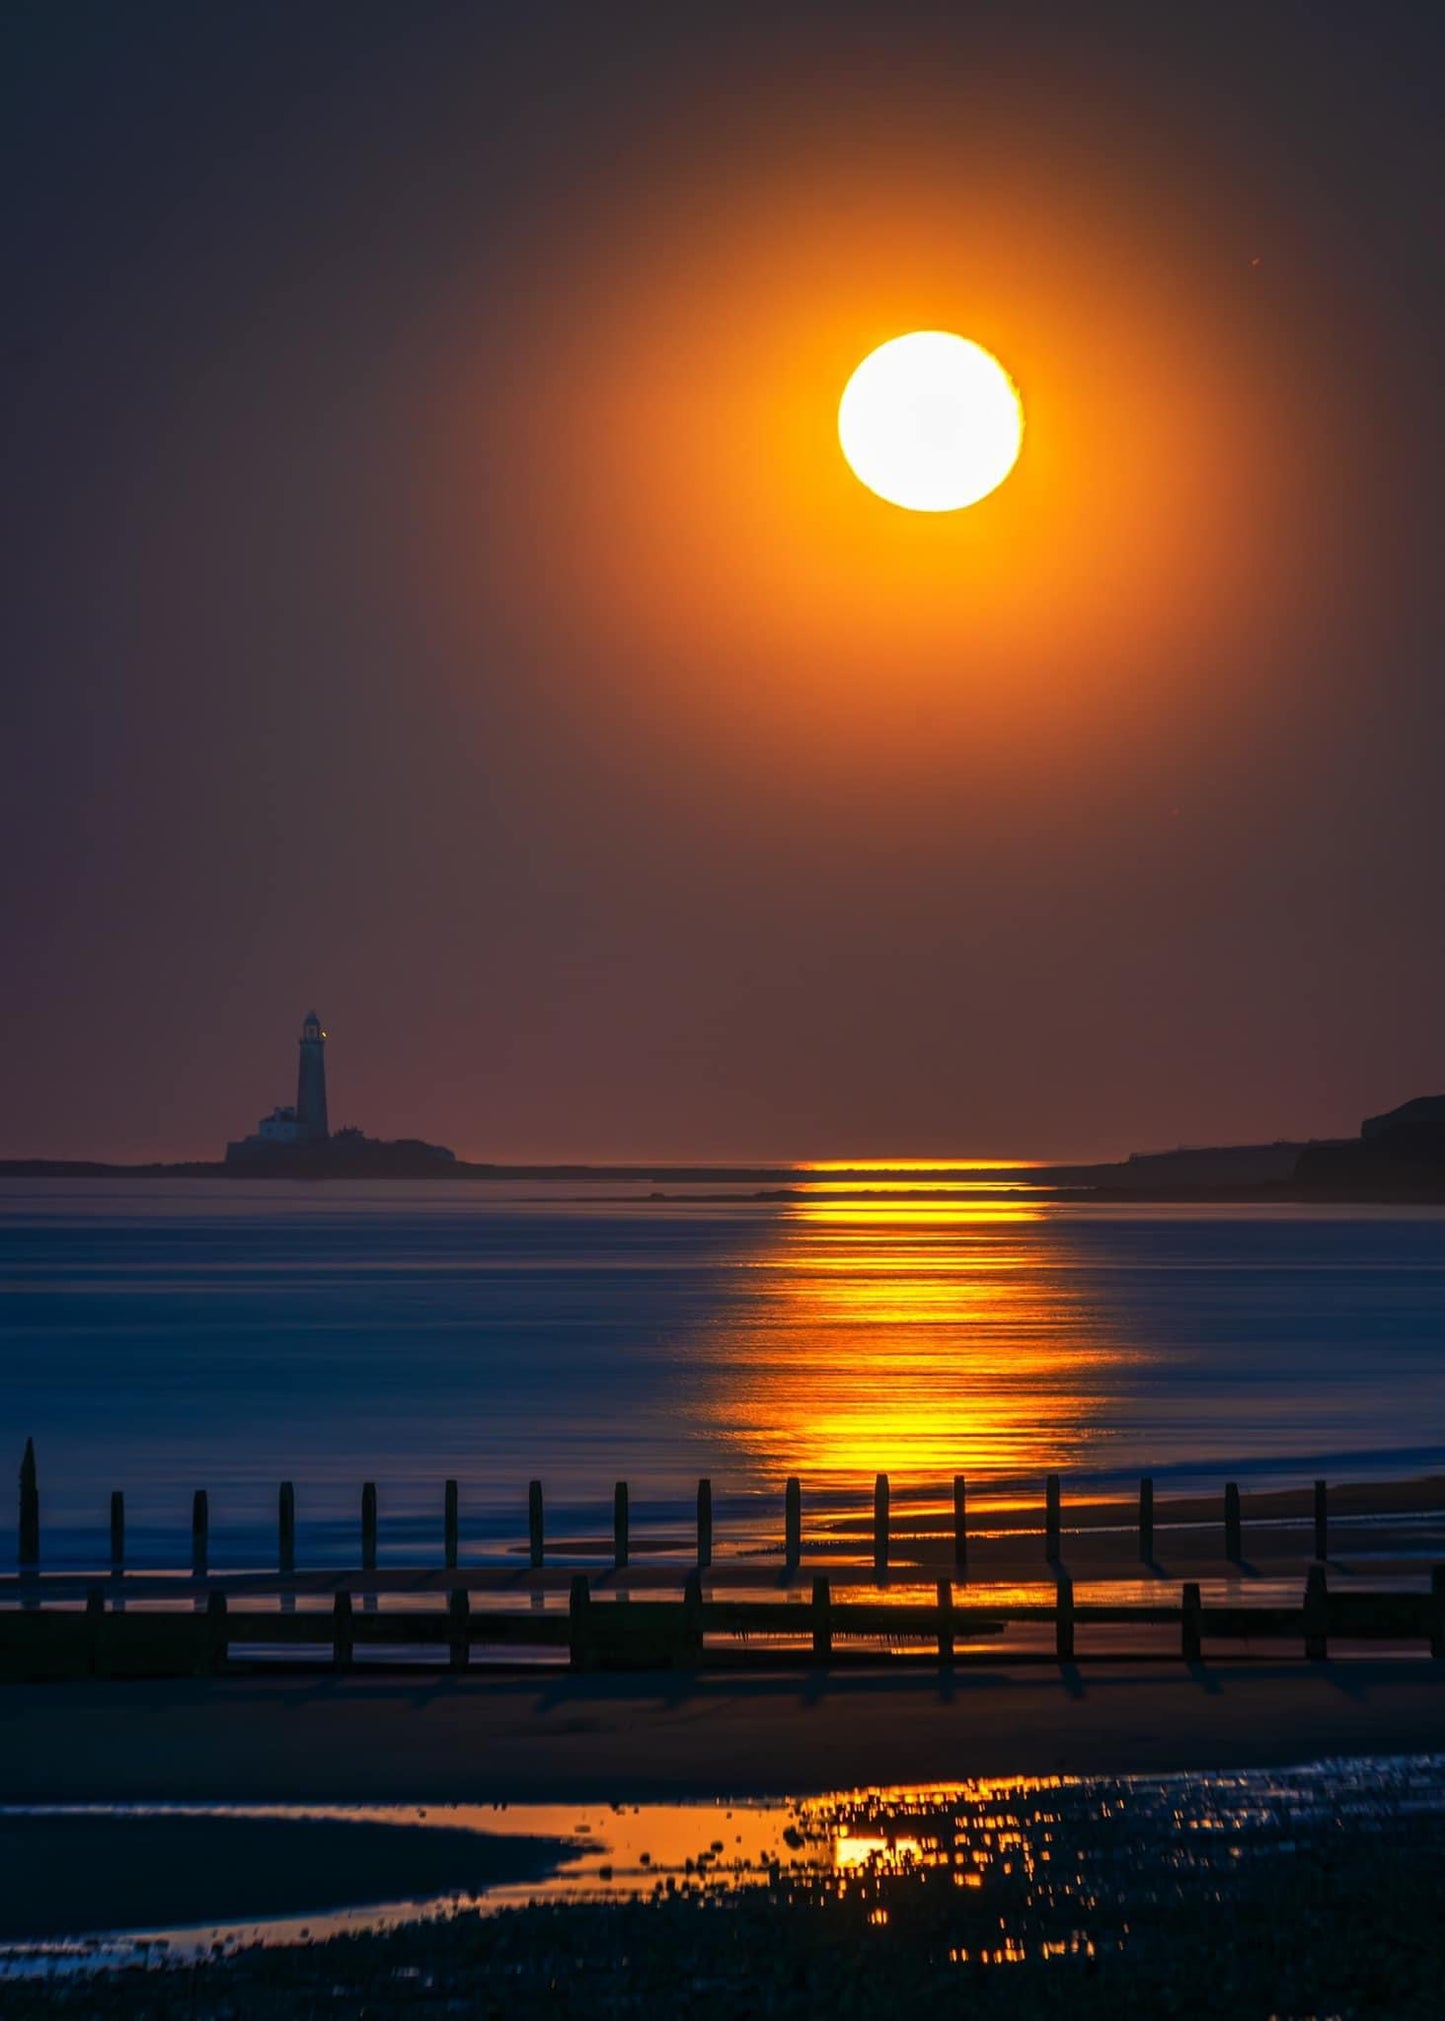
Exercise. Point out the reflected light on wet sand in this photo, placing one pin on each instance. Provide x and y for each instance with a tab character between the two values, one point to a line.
917	1331
1043	1855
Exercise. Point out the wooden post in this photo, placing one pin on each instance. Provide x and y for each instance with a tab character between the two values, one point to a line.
579	1608
1317	1614
95	1631
286	1529
691	1651
880	1524
368	1526
619	1526
29	1508
1051	1519
1437	1621
1190	1639
1233	1525
536	1537
1322	1522
200	1531
341	1631
217	1641
945	1621
450	1525
960	1526
117	1532
822	1619
793	1524
458	1640
1064	1619
1146	1520
704	1524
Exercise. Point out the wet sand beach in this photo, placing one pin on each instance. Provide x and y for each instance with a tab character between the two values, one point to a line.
424	1739
1279	1893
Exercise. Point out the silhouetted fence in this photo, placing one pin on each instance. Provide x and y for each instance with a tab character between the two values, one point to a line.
106	1636
792	1538
697	1631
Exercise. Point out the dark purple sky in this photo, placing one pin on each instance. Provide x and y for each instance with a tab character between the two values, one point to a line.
432	591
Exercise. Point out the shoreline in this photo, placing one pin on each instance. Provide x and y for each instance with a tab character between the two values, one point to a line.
1054	1185
1379	1527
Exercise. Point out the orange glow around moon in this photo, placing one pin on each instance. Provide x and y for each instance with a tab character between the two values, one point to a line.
658	520
931	422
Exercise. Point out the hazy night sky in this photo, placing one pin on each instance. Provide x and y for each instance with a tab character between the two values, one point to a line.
433	590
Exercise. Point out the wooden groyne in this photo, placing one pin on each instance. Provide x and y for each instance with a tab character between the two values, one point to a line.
691	1632
883	1533
631	1616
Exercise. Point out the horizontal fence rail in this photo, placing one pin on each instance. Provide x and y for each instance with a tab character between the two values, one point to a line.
101	1640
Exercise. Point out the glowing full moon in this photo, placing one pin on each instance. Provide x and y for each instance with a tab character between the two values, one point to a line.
931	422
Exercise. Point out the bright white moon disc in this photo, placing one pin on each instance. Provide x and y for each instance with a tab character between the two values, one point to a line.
931	422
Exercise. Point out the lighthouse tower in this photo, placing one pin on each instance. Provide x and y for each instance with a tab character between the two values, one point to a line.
311	1125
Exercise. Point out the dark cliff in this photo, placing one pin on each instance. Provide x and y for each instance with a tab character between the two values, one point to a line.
1401	1151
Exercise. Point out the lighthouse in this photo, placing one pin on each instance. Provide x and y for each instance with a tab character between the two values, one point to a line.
311	1125
296	1143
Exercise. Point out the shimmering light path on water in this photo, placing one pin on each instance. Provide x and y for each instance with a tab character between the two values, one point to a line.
160	1336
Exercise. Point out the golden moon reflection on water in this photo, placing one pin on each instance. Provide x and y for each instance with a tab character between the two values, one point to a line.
916	1331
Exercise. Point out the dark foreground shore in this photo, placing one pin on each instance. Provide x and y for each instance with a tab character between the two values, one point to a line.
146	1873
427	1739
1068	1899
1357	1939
1280	1897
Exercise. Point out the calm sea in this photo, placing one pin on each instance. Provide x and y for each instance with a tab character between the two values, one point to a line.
158	1337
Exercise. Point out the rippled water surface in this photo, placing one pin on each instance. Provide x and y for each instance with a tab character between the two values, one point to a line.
160	1336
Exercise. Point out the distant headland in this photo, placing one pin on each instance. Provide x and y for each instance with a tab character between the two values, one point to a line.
1397	1156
